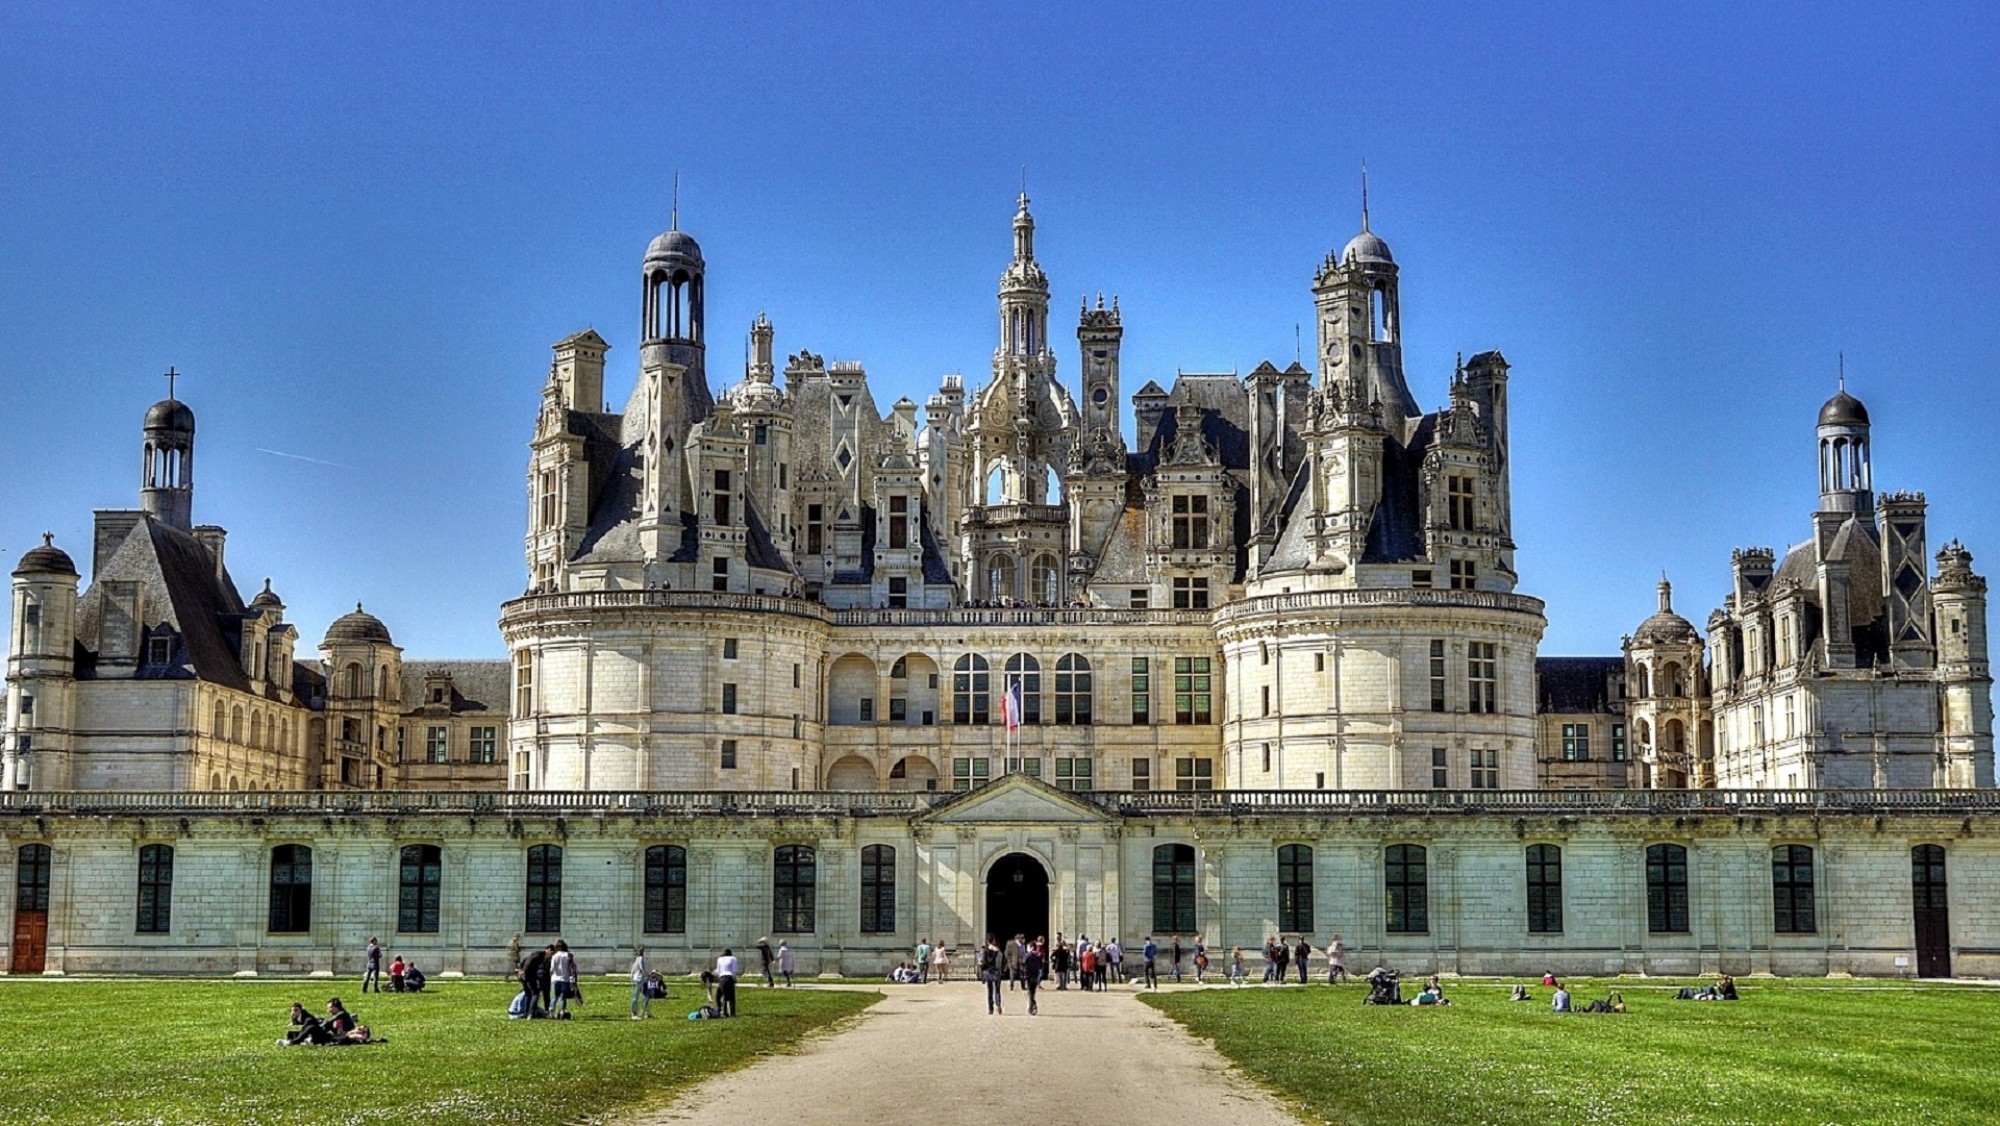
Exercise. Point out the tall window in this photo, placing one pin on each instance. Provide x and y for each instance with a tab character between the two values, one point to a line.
418	889
485	745
729	699
1576	742
544	889
969	772
794	884
1617	742
548	506
1073	689
1142	691
899	527
1073	774
1192	698
31	878
1485	772
437	744
1142	774
1173	889
1482	676
1190	520
1406	889
878	889
971	690
1190	592
1437	676
1440	769
815	529
1545	889
666	889
1458	501
523	769
1026	671
524	684
1295	888
1666	889
1792	906
156	889
291	889
1464	574
1194	774
722	496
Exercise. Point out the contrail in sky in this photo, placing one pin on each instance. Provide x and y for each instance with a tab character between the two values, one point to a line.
302	457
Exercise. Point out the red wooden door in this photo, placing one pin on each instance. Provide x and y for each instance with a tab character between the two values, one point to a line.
31	941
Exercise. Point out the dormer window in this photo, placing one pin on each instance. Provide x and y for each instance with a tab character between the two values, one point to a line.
1190	522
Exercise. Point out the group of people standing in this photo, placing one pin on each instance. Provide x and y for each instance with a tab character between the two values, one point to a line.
404	977
548	980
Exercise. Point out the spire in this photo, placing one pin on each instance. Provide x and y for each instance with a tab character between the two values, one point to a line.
172	375
674	223
1024	226
1666	594
1842	359
1364	193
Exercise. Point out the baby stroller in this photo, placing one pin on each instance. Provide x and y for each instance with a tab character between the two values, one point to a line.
1384	988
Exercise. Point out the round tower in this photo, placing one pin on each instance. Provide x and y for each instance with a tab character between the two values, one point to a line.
1664	675
1965	678
1846	479
41	668
166	488
364	687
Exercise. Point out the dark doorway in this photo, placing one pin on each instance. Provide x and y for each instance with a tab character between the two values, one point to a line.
1017	897
31	909
1933	913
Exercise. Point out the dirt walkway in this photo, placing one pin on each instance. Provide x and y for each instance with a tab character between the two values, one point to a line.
930	1056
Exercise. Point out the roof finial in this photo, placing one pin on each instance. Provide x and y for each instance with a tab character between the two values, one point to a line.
1364	193
1666	594
1842	358
1298	349
171	376
48	539
675	222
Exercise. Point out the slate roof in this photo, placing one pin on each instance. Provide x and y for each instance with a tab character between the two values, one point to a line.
183	590
476	686
1574	685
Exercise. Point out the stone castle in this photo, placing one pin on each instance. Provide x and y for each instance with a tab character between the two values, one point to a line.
1295	593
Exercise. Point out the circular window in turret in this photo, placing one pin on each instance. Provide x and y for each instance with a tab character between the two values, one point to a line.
1099	396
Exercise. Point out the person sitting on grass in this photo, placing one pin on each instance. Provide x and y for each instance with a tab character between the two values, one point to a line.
1725	990
1561	1002
306	1029
342	1025
1520	994
1430	996
520	1008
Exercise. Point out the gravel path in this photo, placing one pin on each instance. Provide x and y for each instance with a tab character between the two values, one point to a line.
930	1056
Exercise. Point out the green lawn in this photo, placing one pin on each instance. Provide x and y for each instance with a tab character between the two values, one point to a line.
175	1052
1796	1052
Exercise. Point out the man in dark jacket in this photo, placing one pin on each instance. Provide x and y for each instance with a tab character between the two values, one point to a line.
1302	953
764	952
535	980
1031	974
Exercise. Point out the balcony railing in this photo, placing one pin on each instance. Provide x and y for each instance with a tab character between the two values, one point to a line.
571	601
1021	616
28	803
1281	604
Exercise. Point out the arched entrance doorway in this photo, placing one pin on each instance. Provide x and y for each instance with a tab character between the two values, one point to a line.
1017	897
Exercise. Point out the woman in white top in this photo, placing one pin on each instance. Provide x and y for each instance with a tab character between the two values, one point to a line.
726	969
785	962
562	981
642	1002
941	963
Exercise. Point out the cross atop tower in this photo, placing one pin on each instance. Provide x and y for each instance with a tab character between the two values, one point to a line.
171	376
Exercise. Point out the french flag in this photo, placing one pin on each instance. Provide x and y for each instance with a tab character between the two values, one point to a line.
1010	706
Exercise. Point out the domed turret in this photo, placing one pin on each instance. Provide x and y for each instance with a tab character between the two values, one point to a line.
1665	627
672	246
268	599
170	414
166	487
48	559
1843	410
360	626
1366	247
1846	472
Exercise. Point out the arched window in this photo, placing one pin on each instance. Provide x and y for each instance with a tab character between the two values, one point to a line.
257	729
878	889
1047	580
1295	888
31	878
1666	889
1026	671
524	684
666	889
1645	684
1173	889
291	889
419	888
156	889
1406	889
219	727
1000	577
1073	689
971	690
544	898
352	681
1545	889
794	880
382	683
236	724
1792	902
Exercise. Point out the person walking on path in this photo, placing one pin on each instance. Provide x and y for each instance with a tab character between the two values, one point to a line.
1200	961
514	956
1086	964
1270	959
1177	952
1236	966
1283	958
726	970
765	952
1336	961
1116	970
1149	952
562	980
1012	959
371	969
990	964
1059	961
1302	952
941	963
1032	966
642	1001
785	966
924	962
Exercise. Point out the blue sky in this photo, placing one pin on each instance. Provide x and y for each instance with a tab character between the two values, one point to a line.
358	227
